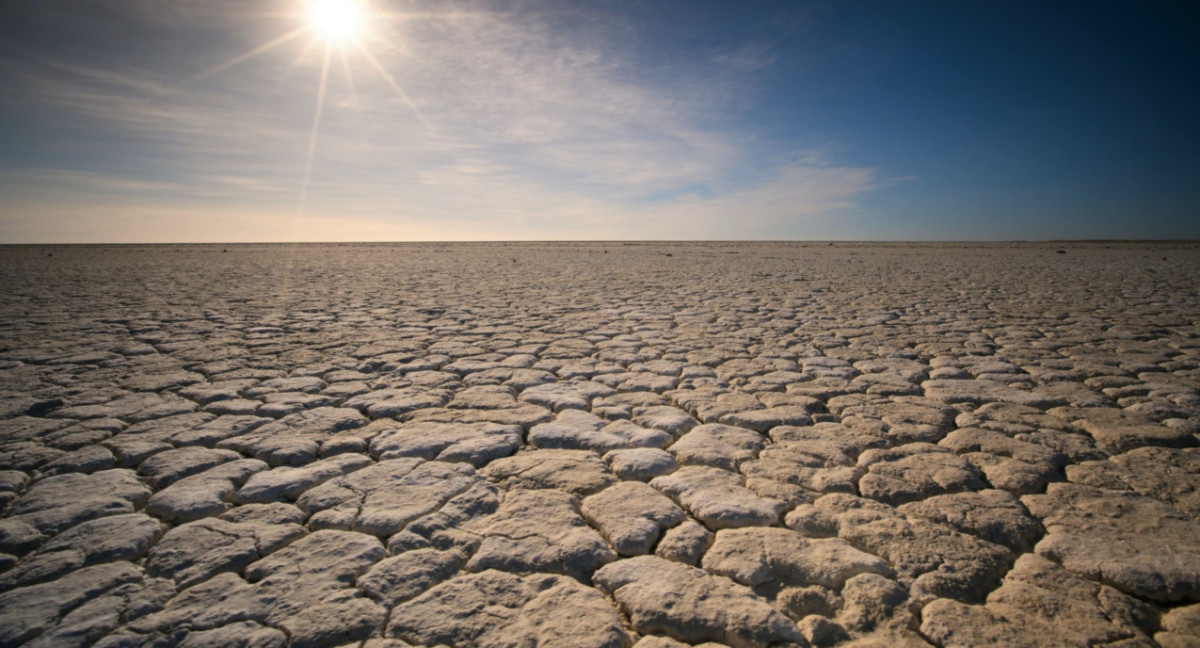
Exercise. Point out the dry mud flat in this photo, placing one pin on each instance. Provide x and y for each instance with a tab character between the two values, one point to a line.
600	445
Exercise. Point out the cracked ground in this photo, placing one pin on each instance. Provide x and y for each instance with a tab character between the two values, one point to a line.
600	445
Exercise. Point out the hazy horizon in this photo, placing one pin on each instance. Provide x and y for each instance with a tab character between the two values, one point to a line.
484	120
640	242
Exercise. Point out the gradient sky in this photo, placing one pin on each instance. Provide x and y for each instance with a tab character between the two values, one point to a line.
140	121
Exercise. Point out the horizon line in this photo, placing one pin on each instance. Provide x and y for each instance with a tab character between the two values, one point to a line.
608	241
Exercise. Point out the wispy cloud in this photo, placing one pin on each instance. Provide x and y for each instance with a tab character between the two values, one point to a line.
509	127
749	57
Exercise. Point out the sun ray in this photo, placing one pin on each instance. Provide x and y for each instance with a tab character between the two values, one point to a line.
285	77
392	82
245	56
316	129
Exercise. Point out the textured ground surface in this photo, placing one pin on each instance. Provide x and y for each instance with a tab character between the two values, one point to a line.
600	445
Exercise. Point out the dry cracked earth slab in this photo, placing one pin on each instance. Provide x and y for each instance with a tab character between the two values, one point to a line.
600	445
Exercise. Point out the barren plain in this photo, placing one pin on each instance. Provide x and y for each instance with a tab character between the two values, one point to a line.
600	445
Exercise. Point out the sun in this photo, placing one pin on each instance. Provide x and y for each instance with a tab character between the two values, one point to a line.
336	20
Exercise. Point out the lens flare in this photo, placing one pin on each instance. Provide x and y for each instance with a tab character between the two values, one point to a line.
346	28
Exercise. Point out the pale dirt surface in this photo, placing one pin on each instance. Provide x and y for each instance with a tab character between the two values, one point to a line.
600	445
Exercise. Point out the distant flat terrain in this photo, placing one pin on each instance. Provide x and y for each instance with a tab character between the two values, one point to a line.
600	444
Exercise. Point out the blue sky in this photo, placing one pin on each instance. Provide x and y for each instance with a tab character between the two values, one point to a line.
142	121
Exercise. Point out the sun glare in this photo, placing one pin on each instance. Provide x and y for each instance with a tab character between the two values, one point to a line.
346	28
336	20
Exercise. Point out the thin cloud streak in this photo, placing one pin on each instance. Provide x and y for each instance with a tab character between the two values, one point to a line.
246	56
